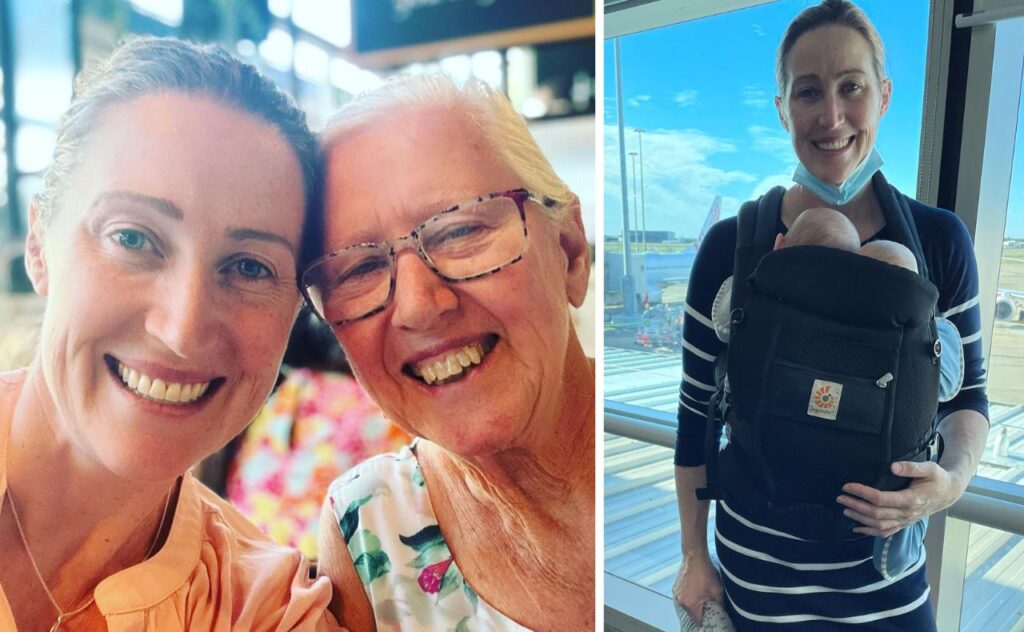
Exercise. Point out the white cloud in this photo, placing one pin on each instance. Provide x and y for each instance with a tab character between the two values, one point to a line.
778	179
638	100
685	98
774	142
679	183
756	97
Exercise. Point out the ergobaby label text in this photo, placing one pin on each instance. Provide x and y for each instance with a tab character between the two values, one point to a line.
824	402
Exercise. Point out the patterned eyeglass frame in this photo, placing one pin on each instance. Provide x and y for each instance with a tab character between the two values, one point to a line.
519	196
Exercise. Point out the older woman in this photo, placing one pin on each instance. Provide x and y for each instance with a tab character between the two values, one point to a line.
832	94
455	254
167	242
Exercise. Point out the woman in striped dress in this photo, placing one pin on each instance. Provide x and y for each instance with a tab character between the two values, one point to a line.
832	94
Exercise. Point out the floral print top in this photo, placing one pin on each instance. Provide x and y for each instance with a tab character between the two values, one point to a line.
315	426
411	580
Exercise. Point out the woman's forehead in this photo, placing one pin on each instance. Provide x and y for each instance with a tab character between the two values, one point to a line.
412	168
194	151
838	48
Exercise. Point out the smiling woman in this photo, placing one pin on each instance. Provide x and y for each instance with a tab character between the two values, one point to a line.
166	242
775	574
456	254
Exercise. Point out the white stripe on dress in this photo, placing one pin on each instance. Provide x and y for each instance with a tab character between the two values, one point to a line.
764	557
691	408
701	385
972	338
864	618
803	590
694	399
755	526
697	352
962	307
700	318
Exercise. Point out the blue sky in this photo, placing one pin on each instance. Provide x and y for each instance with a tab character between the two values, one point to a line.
704	90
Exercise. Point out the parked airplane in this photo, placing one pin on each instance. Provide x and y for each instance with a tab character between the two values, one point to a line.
1009	305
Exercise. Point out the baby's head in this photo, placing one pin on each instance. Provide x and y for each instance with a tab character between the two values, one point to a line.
821	227
826	227
890	252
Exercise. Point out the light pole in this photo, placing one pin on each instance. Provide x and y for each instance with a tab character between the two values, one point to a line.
643	205
628	289
636	208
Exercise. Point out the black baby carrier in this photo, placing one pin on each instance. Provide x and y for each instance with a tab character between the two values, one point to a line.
831	373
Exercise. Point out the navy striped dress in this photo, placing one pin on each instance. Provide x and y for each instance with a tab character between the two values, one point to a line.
772	579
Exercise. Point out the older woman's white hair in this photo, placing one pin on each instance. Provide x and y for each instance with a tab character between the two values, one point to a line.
504	129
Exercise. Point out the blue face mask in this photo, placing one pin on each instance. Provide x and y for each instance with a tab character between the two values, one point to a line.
841	194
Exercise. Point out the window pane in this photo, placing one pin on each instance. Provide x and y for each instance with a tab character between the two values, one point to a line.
1004	453
641	521
994	587
704	136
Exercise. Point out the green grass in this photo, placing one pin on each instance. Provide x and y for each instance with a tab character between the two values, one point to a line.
615	247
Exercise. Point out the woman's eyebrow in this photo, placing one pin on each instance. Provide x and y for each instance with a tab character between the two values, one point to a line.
161	205
243	234
813	76
850	71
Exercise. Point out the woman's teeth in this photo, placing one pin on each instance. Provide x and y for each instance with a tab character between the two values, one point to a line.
835	144
159	390
450	368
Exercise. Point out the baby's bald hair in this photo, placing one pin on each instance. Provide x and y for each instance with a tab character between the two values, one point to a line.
890	252
830	228
822	227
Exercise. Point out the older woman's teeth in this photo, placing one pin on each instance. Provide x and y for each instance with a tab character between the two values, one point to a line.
451	365
159	390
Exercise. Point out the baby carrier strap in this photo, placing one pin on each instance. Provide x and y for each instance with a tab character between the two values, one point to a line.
756	226
900	220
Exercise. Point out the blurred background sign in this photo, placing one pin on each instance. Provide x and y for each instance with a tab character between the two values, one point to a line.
387	32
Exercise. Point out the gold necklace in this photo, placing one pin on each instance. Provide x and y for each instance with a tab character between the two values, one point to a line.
61	615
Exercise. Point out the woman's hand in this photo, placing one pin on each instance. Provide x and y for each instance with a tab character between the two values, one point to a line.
935	486
884	513
697	583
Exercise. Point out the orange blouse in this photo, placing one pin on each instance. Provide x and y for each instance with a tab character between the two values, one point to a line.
215	571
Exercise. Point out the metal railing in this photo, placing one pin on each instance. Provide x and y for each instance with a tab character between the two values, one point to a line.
986	502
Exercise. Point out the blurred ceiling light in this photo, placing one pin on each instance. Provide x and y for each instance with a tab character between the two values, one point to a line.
351	78
582	90
246	48
280	8
276	50
167	11
42	94
521	77
34	147
533	108
331	21
458	67
310	61
487	67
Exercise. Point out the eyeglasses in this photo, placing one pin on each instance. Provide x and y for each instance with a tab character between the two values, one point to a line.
464	242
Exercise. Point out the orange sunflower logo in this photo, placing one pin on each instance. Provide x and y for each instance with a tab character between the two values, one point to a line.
823	398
